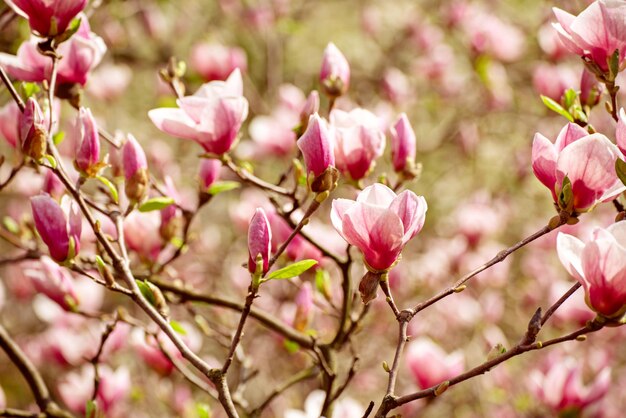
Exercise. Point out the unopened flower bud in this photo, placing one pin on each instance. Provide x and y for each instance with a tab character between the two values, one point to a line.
33	132
88	143
317	149
259	241
59	227
335	72
402	145
304	307
135	170
49	18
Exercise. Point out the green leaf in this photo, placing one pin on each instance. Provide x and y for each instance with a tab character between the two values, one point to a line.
51	161
222	186
569	98
291	270
91	409
58	137
145	290
620	169
176	326
203	410
566	197
29	89
110	186
156	203
291	346
555	107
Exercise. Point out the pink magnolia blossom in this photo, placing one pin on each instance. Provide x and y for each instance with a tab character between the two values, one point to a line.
150	350
561	388
358	141
317	145
600	266
88	143
273	134
430	365
33	130
596	32
379	223
80	54
209	172
217	62
587	160
212	116
259	240
396	86
311	106
590	89
9	129
49	18
335	71
59	226
402	144
135	166
550	43
55	282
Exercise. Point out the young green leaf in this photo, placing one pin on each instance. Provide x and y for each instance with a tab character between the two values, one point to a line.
222	186
145	290
110	186
291	270
156	203
176	326
555	107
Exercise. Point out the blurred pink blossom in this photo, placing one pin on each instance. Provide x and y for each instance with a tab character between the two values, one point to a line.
430	364
214	61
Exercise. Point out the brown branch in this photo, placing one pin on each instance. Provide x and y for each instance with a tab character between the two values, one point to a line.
12	174
294	380
501	256
250	178
31	375
252	293
9	86
264	318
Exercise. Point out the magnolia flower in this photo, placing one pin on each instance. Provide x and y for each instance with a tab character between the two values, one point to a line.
304	307
335	72
135	166
217	62
379	223
259	241
595	33
620	131
316	145
402	144
430	365
561	388
600	266
553	80
33	130
59	226
80	54
88	144
141	230
48	18
588	162
208	173
212	116
358	141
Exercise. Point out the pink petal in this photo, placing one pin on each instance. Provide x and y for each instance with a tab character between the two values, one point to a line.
569	250
544	158
174	122
377	194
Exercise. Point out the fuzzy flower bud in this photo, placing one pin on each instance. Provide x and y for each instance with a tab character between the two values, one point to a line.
88	151
33	132
317	148
311	107
135	169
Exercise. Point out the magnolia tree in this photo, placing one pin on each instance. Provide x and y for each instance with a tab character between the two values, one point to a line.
280	262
